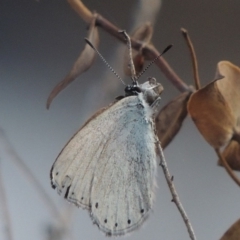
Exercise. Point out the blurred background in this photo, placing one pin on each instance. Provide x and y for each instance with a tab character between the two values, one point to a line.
39	42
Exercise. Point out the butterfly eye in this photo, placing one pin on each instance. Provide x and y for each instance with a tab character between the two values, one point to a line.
132	90
137	89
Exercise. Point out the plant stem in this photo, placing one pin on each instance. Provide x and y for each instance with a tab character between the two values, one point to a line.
194	58
175	197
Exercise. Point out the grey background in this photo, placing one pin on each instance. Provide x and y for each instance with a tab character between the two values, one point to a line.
39	41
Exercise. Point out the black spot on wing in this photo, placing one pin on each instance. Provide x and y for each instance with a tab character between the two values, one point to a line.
67	191
51	177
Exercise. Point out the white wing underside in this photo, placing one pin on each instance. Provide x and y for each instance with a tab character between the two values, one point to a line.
109	167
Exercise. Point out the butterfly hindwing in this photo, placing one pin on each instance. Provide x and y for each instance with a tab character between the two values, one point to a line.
109	167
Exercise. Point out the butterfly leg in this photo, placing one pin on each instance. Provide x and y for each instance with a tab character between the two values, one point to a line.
156	107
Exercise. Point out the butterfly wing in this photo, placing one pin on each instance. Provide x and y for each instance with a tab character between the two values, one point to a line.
109	167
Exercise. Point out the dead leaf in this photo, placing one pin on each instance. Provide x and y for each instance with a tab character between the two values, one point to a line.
83	63
143	34
170	118
232	155
215	108
233	233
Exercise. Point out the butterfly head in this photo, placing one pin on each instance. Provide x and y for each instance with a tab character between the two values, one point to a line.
151	90
132	90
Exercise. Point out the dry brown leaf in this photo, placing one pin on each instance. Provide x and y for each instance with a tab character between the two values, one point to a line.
232	155
170	118
215	108
143	34
233	233
83	63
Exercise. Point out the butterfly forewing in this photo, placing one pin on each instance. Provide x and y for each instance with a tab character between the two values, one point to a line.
109	167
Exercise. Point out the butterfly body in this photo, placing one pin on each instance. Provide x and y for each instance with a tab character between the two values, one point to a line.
109	165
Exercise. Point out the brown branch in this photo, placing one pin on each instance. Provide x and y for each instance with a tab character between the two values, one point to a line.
175	197
81	9
5	211
227	167
193	56
149	51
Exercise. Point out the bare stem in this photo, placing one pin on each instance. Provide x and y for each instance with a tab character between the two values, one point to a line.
227	167
149	51
194	58
5	211
81	9
175	197
132	67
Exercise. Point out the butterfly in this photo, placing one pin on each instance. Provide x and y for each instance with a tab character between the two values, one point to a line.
109	166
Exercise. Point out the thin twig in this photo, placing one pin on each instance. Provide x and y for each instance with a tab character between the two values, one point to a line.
148	50
82	10
227	167
194	58
175	197
132	67
6	216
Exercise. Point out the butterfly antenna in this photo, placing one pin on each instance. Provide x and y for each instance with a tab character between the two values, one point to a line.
132	67
108	65
153	61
